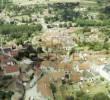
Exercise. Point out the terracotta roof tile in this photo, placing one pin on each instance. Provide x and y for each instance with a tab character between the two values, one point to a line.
64	65
11	69
75	76
3	58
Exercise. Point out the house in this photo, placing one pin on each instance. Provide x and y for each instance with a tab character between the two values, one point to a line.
44	87
14	53
5	50
49	64
75	76
44	83
84	66
100	61
57	75
9	51
65	66
6	60
76	57
3	58
11	70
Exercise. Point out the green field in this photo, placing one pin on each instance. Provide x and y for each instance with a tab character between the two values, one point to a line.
4	3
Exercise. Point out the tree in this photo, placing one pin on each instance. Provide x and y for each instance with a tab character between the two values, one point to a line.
106	46
65	24
102	79
60	25
2	95
40	50
99	2
69	98
9	94
107	10
97	46
70	24
39	27
49	11
72	51
53	88
101	96
80	95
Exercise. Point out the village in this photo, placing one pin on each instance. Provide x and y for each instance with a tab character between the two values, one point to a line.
54	50
37	70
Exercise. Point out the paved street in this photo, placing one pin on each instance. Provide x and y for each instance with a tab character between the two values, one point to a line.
33	94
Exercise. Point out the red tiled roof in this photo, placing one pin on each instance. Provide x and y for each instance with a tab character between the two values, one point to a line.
43	86
75	76
69	67
3	58
11	69
64	65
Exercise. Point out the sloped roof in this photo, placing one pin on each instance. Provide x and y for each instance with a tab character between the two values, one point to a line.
75	76
11	69
64	65
6	50
4	58
84	66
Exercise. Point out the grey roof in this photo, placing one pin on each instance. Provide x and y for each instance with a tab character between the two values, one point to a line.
6	50
107	67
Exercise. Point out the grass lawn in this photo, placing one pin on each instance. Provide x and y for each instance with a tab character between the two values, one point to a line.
66	90
64	0
70	90
96	88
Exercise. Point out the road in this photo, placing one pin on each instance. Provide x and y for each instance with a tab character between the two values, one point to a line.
33	94
104	73
42	21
